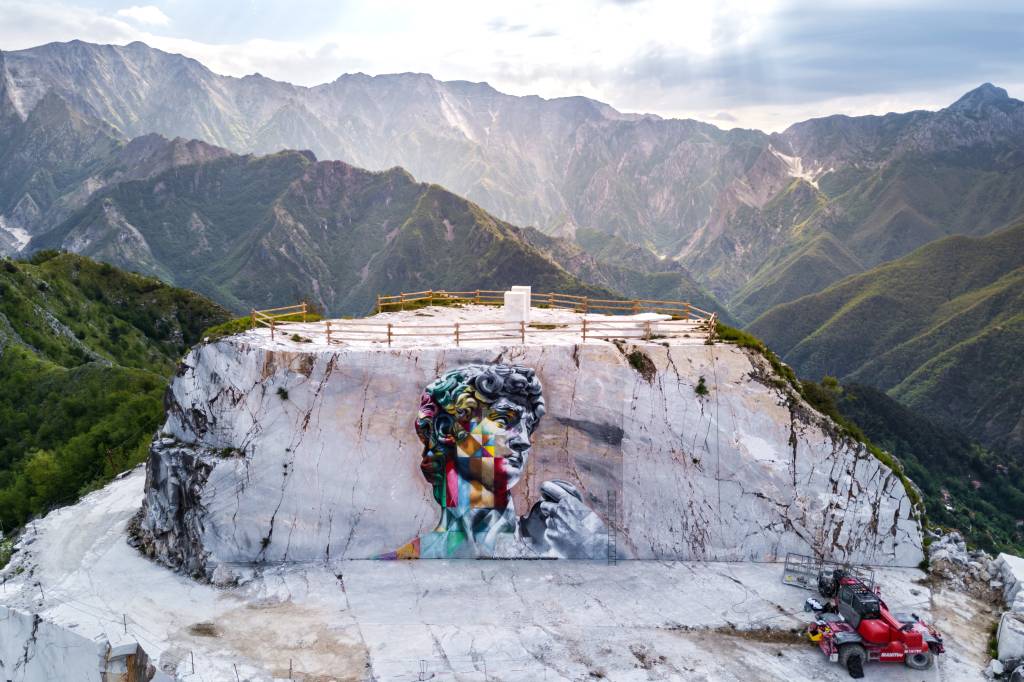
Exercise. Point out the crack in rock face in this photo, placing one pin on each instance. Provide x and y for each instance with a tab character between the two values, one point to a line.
240	475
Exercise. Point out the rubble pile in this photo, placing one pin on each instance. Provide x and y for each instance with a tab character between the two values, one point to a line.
974	572
998	580
1010	635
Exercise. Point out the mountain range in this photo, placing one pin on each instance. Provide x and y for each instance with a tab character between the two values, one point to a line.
879	249
757	219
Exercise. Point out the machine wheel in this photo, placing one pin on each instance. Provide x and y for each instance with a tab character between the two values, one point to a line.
852	657
921	661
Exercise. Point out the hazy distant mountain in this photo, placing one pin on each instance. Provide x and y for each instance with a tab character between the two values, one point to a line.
724	201
941	330
758	219
67	180
56	157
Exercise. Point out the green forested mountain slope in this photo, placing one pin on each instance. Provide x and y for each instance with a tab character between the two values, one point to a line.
939	329
262	231
965	486
867	215
85	354
805	266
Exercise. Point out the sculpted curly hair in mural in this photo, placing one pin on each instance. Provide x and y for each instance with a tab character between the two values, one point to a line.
475	424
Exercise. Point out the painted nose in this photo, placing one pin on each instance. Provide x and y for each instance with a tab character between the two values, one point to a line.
519	442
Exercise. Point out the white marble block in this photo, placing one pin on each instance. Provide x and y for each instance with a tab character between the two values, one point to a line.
1011	636
517	306
524	290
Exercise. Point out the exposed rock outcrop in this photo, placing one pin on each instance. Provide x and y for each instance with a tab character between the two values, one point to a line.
286	451
973	571
35	650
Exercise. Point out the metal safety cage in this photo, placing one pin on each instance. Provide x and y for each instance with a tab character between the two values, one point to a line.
803	571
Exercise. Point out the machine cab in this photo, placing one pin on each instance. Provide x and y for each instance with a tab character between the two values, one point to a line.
856	603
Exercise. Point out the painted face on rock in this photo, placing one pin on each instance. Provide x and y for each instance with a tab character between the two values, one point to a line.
493	452
475	424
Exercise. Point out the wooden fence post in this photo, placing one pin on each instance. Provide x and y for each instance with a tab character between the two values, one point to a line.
389	335
431	294
327	323
584	330
271	329
304	308
253	318
456	333
402	300
379	310
522	331
586	305
551	299
636	306
647	331
476	298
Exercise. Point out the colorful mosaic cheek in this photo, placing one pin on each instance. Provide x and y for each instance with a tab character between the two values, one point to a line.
476	478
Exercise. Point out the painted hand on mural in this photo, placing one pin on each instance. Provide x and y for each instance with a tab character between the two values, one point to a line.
475	424
562	525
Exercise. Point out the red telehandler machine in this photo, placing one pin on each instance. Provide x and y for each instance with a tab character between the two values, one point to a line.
854	625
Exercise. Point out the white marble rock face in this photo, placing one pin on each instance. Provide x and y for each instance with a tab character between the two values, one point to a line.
34	649
332	470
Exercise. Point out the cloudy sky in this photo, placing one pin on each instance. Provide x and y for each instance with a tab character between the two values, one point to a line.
763	63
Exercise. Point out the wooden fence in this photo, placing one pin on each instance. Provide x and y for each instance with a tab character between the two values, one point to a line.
284	320
687	320
581	304
274	316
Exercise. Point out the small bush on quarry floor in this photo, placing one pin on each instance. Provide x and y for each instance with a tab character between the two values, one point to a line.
6	550
437	302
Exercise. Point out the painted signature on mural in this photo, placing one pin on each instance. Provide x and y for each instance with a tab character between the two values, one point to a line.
475	424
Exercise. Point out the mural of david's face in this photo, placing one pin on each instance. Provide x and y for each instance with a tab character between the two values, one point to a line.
494	452
475	424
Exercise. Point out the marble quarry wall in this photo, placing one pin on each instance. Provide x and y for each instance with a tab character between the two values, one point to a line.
276	451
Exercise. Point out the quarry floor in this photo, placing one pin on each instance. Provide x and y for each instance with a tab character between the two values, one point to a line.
440	620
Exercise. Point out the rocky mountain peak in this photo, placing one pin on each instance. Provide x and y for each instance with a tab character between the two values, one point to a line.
986	92
983	97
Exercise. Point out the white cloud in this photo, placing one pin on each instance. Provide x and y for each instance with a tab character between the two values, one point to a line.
145	14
